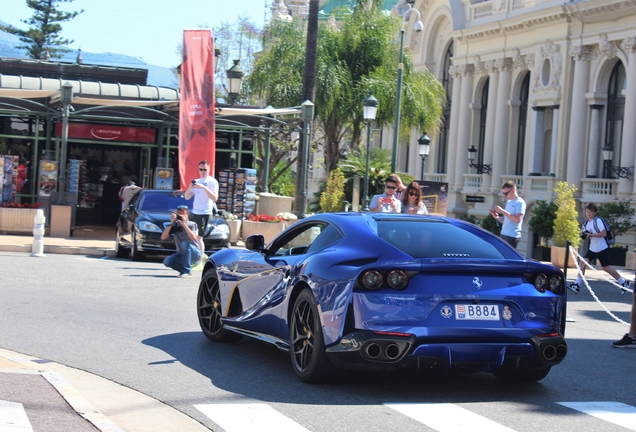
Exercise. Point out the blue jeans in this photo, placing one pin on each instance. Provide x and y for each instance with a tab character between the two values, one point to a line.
182	261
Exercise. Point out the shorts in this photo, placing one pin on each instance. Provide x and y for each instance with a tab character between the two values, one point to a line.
512	241
201	221
603	257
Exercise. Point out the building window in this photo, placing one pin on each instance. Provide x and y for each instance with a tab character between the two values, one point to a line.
615	111
523	120
447	82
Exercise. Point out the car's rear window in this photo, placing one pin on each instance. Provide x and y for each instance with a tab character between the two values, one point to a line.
435	239
162	202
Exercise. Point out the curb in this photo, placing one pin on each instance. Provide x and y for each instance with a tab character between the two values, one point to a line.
67	250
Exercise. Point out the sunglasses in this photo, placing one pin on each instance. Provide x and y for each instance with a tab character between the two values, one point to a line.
203	169
391	187
182	207
413	194
505	193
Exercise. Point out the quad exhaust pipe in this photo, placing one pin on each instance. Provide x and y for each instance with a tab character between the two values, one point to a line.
382	350
552	352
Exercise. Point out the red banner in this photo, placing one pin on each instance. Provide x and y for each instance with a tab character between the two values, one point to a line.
196	111
107	132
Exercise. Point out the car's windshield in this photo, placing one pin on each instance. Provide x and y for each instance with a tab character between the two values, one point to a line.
435	239
162	202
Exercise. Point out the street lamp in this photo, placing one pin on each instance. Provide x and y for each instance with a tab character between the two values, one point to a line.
307	113
67	98
369	110
217	57
235	80
621	172
481	168
418	27
424	147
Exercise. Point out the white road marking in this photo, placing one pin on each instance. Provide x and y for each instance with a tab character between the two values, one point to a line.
249	418
447	417
613	412
13	418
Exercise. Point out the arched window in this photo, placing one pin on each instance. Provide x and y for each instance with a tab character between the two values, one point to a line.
447	82
482	123
615	112
523	119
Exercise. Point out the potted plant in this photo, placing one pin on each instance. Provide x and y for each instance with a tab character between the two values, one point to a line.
566	225
17	217
620	217
542	224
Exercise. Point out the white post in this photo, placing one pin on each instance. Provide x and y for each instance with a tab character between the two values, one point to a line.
37	249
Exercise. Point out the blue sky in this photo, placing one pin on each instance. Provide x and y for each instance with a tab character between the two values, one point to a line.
147	29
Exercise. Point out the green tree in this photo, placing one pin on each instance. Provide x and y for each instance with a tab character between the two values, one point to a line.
331	198
44	33
566	225
351	61
619	216
542	220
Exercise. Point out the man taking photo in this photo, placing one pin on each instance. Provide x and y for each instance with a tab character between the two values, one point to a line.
184	232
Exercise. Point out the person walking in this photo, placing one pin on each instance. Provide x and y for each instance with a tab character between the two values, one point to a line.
205	191
184	232
412	200
512	216
629	340
387	202
594	229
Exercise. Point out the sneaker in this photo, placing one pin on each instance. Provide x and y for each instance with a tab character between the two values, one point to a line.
626	342
197	267
185	275
625	286
204	258
574	287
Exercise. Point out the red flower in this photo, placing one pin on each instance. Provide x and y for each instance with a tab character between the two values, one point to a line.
265	218
13	204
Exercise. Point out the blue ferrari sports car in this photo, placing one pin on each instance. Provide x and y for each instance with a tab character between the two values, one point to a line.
374	291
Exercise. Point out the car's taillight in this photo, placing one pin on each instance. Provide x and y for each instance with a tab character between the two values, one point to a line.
552	283
372	280
397	279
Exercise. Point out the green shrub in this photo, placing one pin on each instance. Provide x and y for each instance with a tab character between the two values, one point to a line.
619	216
542	221
566	225
331	198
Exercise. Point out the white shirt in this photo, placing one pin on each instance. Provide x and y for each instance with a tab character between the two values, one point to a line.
202	204
597	244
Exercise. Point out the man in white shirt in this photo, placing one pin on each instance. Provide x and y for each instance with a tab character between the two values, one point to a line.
205	191
387	202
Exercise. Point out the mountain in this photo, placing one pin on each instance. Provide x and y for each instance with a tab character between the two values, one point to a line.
157	75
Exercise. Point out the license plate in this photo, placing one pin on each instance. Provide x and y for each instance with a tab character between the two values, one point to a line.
477	312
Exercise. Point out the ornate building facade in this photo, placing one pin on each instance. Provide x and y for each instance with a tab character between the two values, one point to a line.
543	90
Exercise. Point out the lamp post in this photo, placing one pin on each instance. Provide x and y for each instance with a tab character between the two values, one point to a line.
235	80
67	98
481	168
217	57
268	138
621	172
369	110
424	147
307	113
418	27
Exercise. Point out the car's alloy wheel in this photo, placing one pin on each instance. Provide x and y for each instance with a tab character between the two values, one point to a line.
307	343
209	309
120	252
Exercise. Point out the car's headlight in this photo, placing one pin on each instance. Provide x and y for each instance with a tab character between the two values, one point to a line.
220	229
149	226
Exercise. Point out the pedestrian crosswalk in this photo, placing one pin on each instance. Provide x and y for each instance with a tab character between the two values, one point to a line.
442	417
13	417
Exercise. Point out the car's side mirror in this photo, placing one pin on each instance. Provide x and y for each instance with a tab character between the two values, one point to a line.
255	242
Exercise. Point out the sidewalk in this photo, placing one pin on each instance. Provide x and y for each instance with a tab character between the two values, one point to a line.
41	396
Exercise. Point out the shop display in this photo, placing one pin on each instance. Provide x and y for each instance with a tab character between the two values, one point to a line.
237	191
47	177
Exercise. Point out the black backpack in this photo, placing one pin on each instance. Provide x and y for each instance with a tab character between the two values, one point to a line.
609	236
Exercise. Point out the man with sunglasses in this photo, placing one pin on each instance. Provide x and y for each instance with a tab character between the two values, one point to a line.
184	232
205	191
512	216
387	202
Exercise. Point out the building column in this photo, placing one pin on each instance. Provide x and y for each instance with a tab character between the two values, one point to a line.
626	187
454	119
555	133
537	140
463	125
491	115
594	146
574	160
502	126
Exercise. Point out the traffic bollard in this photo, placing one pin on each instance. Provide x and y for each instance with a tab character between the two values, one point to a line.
37	249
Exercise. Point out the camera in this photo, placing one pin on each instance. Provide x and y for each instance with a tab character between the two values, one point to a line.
179	217
584	235
194	182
